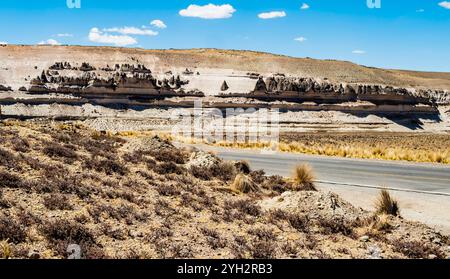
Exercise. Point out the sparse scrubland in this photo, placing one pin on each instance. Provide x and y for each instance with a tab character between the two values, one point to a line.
414	147
128	196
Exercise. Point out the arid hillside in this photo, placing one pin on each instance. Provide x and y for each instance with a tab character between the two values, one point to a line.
19	60
122	196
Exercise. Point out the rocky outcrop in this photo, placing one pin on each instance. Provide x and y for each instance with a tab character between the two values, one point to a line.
224	86
123	79
5	88
280	87
134	69
61	66
85	67
260	85
188	72
253	75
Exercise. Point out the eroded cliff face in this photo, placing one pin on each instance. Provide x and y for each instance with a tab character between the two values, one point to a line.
32	84
130	79
300	89
122	79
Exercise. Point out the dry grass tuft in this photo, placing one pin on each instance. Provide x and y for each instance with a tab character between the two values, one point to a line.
304	178
387	205
244	184
5	250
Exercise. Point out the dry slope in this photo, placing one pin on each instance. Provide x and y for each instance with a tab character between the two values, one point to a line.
63	184
18	62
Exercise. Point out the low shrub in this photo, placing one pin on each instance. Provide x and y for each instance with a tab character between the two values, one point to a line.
416	249
10	180
169	155
331	226
66	230
107	166
8	160
299	222
224	171
57	202
168	167
245	206
58	151
12	230
262	249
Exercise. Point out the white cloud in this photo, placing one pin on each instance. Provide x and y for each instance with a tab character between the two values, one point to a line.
158	24
445	5
300	39
131	31
64	35
304	6
51	42
358	51
273	14
209	11
97	36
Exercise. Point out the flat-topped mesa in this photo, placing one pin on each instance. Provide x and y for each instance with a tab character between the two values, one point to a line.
297	89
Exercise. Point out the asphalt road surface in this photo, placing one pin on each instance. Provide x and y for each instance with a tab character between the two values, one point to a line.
398	176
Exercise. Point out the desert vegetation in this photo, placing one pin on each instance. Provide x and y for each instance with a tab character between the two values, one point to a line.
431	148
137	196
434	148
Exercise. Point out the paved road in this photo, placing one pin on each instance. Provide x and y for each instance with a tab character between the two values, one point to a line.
411	177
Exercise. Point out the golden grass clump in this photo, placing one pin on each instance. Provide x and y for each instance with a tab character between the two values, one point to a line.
387	205
5	249
244	184
304	178
397	147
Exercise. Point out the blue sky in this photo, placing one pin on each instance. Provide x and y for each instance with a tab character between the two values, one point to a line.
402	34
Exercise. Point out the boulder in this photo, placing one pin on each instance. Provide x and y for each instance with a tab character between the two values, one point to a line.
202	159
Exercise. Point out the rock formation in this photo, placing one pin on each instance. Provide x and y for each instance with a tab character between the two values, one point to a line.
308	89
61	66
188	72
260	85
85	67
224	86
123	79
5	88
